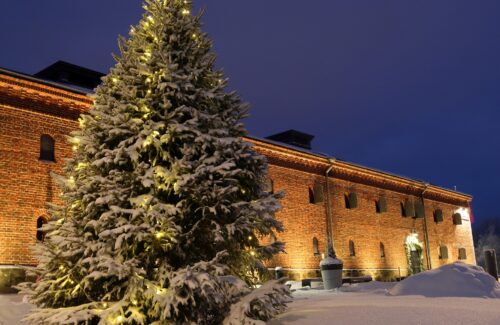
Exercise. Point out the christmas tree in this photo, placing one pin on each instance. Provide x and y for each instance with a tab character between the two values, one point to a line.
164	204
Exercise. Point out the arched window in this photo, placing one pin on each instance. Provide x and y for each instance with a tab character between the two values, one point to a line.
316	193
352	250
47	144
268	185
381	205
382	250
316	246
457	218
438	215
351	200
40	234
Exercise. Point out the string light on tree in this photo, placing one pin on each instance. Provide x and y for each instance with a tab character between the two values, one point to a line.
165	190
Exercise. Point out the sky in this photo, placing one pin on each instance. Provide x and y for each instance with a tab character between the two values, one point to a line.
409	87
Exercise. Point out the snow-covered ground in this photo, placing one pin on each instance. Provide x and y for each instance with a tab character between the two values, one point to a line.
453	294
374	307
12	309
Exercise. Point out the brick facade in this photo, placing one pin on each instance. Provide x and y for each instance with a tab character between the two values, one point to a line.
30	108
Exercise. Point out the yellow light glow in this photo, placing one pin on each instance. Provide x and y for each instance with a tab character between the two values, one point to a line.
148	80
149	91
249	237
61	267
252	253
150	18
194	36
134	302
81	165
75	147
119	319
186	12
115	80
104	305
81	122
464	212
160	235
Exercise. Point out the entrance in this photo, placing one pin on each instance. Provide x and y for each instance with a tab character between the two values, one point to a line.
415	262
414	250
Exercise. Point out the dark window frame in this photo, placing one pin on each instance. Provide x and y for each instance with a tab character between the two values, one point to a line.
47	148
40	234
457	219
352	248
438	216
443	252
462	253
316	247
351	200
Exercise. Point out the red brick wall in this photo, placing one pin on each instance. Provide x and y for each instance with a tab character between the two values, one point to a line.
366	228
26	187
25	182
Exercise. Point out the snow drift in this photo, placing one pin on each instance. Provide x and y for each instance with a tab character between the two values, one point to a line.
452	280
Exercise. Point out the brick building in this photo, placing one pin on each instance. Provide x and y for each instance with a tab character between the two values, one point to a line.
381	224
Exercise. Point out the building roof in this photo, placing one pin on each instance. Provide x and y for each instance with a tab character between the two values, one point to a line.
82	100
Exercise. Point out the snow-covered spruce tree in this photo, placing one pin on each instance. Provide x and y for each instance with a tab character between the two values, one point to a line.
164	202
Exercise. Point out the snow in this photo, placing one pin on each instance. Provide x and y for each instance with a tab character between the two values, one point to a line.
453	294
361	305
452	280
13	308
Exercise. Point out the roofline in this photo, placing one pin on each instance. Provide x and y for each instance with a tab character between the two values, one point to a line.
329	160
42	81
320	158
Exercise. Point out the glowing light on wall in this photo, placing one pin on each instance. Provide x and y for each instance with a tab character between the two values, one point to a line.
464	212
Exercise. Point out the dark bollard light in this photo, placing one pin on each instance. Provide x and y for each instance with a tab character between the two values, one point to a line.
490	259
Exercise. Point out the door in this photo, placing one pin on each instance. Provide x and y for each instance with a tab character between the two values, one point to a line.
415	261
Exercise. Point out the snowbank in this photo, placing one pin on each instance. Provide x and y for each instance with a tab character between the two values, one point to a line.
13	308
452	280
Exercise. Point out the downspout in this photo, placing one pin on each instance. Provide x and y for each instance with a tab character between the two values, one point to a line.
426	234
329	222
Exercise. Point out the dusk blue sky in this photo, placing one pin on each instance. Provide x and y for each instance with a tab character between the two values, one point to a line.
409	87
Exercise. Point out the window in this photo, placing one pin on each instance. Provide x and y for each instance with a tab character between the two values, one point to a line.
381	205
443	252
438	216
316	193
268	185
47	148
462	254
457	219
351	200
408	209
40	234
352	250
382	250
316	247
419	209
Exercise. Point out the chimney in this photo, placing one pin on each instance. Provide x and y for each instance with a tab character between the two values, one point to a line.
294	138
